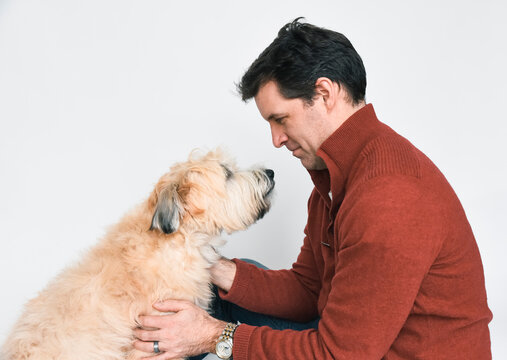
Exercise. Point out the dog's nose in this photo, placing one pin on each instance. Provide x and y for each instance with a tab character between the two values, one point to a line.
270	173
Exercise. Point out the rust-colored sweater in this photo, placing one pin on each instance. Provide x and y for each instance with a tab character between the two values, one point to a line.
389	262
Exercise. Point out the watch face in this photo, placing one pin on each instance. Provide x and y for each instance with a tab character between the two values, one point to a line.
224	349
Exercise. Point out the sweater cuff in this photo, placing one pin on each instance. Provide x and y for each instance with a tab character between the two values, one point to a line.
239	284
241	341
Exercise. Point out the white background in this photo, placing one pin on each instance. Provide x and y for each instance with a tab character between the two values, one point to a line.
99	97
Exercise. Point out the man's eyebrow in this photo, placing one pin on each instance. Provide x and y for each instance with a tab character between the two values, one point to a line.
275	116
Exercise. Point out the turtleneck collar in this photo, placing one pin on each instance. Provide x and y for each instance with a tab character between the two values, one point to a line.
341	150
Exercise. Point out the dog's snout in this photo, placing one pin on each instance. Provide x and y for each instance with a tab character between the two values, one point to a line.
270	173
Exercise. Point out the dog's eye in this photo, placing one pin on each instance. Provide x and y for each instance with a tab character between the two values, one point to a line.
228	172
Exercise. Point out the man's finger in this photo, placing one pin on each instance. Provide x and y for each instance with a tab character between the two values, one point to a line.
148	335
151	321
147	347
172	305
162	356
143	346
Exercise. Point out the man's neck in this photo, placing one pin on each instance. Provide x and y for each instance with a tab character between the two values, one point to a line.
345	111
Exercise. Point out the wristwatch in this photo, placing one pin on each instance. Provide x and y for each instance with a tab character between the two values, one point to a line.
223	347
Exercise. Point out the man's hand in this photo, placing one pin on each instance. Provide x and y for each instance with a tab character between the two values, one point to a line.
223	273
188	331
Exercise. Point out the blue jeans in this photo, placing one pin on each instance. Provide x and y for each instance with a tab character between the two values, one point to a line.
230	312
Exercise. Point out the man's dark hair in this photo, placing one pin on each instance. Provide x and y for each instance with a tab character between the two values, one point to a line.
300	54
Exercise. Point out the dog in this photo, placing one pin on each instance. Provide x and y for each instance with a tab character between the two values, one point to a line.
163	249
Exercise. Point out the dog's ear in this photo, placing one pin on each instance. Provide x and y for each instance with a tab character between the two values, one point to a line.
167	213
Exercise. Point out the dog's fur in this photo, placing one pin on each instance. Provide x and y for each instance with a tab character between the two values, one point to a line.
163	249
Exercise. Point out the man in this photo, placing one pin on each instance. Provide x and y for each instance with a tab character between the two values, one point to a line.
389	265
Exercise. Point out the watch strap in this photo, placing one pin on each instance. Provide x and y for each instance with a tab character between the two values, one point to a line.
229	330
226	336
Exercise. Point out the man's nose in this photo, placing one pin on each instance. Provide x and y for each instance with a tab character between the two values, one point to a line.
278	136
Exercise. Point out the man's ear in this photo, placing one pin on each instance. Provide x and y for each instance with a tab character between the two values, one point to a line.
168	211
328	90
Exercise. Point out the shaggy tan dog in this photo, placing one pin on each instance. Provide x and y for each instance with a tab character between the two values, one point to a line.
162	249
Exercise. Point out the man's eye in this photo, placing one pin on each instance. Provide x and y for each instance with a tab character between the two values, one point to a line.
280	120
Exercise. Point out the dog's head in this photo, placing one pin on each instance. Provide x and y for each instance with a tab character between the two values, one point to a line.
209	194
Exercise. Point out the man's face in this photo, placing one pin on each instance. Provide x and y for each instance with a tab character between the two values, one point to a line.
300	127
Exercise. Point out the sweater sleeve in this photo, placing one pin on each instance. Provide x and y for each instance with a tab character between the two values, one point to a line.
388	236
288	294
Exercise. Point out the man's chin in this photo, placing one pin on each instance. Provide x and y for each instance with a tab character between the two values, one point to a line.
313	164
